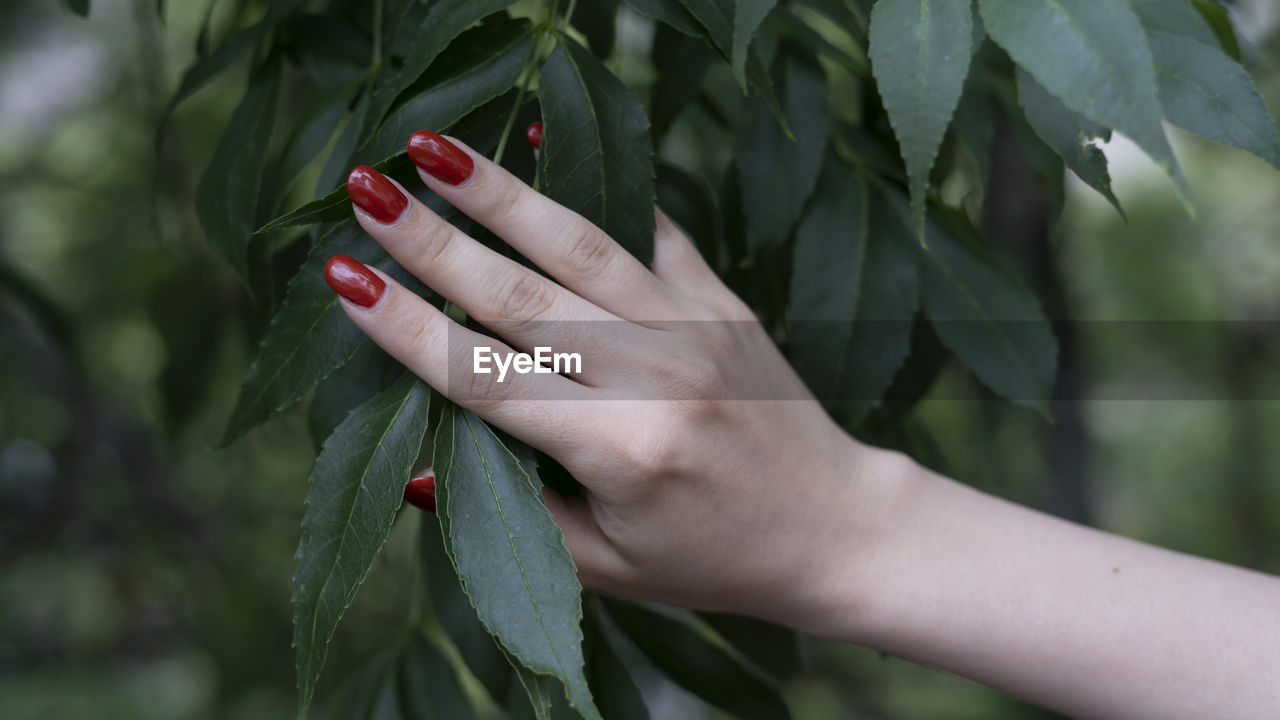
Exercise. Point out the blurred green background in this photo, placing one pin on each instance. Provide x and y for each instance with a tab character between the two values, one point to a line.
144	575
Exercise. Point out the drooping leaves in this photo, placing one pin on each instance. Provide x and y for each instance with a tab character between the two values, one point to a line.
681	63
1220	22
509	553
227	197
429	689
1208	93
596	157
355	489
1091	55
668	12
747	16
776	174
1069	134
920	52
615	692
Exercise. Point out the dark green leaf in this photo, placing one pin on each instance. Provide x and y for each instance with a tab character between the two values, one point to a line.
356	487
668	12
686	650
1174	16
1091	55
920	52
974	126
314	134
616	693
776	175
1220	22
681	63
227	198
79	7
716	17
359	379
597	21
747	16
853	295
1208	93
691	203
772	648
334	205
429	689
597	157
444	22
509	553
1069	134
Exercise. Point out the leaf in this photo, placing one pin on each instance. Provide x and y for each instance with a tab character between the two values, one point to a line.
920	52
772	648
314	134
777	175
1068	134
509	553
445	21
747	16
359	379
716	17
670	13
596	156
683	648
429	689
355	489
1208	93
611	683
853	296
1179	17
1220	22
1091	55
992	323
681	63
227	197
597	21
79	7
690	202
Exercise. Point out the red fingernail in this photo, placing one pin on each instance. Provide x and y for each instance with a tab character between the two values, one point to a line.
375	194
534	134
352	280
421	493
441	159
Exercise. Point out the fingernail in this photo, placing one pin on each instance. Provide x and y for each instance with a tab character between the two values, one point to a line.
421	493
534	135
441	159
375	194
352	280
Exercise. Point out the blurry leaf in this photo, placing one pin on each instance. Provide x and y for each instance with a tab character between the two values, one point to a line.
992	323
509	553
690	201
597	157
314	134
747	16
79	7
327	41
772	648
974	126
681	63
597	21
716	16
616	693
668	12
338	166
1068	134
429	689
355	489
682	647
776	175
333	206
920	52
536	697
359	379
1179	17
853	295
445	20
1208	93
1220	22
1090	54
227	197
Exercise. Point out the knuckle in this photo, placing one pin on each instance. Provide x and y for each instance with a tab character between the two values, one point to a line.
480	393
652	453
437	238
694	380
587	252
506	198
523	297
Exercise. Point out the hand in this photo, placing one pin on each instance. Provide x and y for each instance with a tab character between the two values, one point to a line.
695	495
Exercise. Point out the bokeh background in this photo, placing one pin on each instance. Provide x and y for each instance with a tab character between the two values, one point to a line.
145	575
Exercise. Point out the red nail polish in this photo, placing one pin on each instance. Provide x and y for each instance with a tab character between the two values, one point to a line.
440	158
421	493
352	280
534	134
375	194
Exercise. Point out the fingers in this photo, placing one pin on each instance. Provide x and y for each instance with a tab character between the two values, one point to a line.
430	345
563	243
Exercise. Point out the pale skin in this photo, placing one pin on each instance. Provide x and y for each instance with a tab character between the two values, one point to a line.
767	508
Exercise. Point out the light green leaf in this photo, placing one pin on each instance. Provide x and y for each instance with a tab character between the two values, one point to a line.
1220	22
1208	93
1068	134
509	553
853	297
920	52
747	16
227	197
1091	55
597	156
429	689
355	489
1179	17
776	174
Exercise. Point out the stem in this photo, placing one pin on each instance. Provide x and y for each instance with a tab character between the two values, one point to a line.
377	34
531	70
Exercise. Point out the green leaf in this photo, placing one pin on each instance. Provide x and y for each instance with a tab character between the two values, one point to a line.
1091	55
597	21
777	175
227	197
79	7
716	17
359	379
992	323
355	489
681	63
334	205
747	16
772	648
920	52
853	296
670	13
1179	17
509	553
687	651
314	134
691	203
616	693
444	22
597	157
1220	22
1069	134
1208	93
429	689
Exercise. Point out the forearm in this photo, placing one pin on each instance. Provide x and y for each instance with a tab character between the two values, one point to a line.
1087	623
